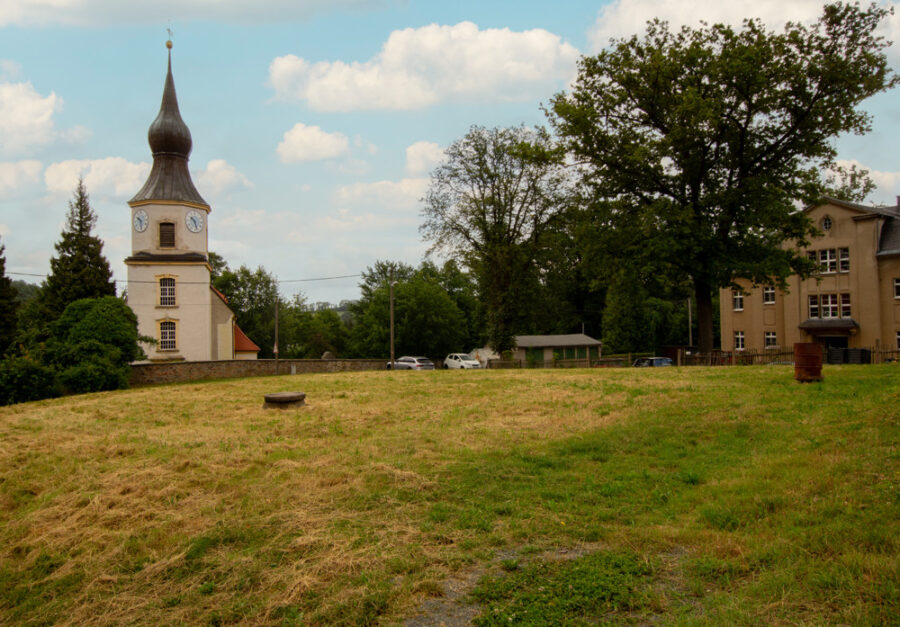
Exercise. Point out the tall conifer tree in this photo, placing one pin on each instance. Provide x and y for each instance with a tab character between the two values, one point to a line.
8	306
79	270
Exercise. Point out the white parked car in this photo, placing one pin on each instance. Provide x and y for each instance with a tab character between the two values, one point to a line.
460	361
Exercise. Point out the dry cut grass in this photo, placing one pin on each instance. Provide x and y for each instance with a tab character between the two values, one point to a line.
192	504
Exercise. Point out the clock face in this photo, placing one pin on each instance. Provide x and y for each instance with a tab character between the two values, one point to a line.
141	221
194	221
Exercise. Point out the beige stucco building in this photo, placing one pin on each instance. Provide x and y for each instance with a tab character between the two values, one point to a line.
169	286
853	301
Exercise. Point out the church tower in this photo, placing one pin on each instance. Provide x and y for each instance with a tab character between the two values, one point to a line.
168	271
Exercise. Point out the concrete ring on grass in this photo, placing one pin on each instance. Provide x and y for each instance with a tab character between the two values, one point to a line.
284	400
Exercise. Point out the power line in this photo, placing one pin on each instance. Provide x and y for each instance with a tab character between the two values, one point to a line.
126	281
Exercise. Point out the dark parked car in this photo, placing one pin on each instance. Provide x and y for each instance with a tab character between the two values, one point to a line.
650	362
411	363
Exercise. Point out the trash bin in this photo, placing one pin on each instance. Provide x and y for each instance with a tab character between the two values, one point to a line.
837	355
807	361
858	356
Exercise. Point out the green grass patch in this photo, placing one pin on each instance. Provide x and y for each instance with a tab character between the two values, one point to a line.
693	496
591	589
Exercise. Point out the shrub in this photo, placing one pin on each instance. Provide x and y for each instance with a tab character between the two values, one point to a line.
94	375
23	379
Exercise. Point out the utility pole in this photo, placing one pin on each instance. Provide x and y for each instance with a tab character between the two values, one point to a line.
276	333
690	325
391	285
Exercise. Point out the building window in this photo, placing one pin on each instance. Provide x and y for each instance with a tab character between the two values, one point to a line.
167	292
167	235
896	288
167	336
828	305
827	261
738	340
826	223
814	306
768	295
844	259
898	340
771	339
845	306
737	300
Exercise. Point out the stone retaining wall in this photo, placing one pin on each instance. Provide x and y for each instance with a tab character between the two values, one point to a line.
176	372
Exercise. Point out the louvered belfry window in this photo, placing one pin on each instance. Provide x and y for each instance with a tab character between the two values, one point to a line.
167	235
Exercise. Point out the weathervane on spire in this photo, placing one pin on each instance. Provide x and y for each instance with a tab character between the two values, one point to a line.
169	42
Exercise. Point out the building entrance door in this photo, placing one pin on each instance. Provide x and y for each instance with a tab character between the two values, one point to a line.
834	341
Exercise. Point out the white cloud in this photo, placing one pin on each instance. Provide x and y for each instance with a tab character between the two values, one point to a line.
418	67
14	174
26	117
887	184
99	12
423	157
390	195
110	177
219	176
311	143
623	18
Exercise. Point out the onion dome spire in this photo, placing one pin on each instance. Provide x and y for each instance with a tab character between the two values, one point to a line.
170	142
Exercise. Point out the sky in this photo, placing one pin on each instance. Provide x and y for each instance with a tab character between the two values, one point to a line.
315	123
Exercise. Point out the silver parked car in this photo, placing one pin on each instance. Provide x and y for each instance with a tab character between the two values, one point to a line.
411	363
460	361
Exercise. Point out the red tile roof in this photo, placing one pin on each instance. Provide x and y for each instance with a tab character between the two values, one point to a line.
219	294
242	343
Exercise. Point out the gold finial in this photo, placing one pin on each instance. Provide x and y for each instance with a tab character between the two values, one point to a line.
169	42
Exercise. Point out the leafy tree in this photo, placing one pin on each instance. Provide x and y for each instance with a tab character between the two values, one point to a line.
489	205
251	295
308	335
92	344
379	275
702	141
79	270
25	291
624	319
9	304
462	289
426	319
217	265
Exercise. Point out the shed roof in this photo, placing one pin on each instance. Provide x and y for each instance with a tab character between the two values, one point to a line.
242	343
553	341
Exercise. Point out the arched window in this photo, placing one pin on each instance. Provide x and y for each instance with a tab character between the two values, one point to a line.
167	235
167	292
167	336
826	223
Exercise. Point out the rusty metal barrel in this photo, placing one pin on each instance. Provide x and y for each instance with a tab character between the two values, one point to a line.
807	361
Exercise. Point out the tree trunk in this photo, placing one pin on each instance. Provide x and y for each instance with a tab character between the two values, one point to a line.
703	293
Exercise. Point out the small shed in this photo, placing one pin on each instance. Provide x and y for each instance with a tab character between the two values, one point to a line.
548	348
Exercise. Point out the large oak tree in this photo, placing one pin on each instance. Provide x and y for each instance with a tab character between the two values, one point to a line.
697	145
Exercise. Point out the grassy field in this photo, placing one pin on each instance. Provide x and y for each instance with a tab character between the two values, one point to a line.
674	496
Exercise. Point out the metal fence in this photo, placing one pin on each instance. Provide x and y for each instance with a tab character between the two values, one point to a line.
717	358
